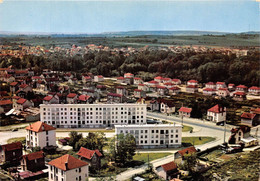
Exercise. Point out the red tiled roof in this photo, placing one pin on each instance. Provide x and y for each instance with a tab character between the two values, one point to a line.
209	89
12	146
192	86
100	76
247	115
185	109
39	127
187	151
169	166
16	97
176	80
174	88
129	74
23	85
216	109
87	77
153	82
120	87
21	71
13	83
231	85
242	86
193	81
160	87
86	153
71	95
47	98
5	102
114	95
83	97
240	93
101	86
254	88
120	78
168	83
220	83
138	90
256	111
34	156
224	89
140	84
210	83
137	78
68	160
166	79
36	77
21	101
159	78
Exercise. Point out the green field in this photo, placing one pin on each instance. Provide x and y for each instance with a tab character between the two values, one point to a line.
16	139
197	140
152	156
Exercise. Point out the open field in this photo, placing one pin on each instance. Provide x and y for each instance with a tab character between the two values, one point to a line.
197	140
152	156
17	139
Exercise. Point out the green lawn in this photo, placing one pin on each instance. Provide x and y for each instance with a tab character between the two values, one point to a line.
87	130
186	128
197	140
16	139
152	156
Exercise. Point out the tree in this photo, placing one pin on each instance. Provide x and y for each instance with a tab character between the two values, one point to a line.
74	138
122	148
190	161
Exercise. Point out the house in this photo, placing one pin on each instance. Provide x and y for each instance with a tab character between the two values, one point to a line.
92	157
114	98
121	90
185	112
85	99
169	85
176	81
101	88
120	80
138	93
167	106
14	87
192	88
11	152
72	98
128	75
162	90
216	114
33	161
72	81
129	80
68	168
152	83
86	79
241	88
22	104
192	83
209	91
167	171
158	79
210	85
174	90
154	105
223	92
220	85
98	78
40	134
89	92
249	119
239	96
231	87
166	80
179	155
138	80
25	88
238	133
6	105
51	99
249	141
143	87
254	90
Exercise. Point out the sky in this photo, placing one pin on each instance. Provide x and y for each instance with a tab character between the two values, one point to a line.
96	16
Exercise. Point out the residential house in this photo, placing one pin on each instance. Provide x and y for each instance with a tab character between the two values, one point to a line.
216	114
115	98
86	79
68	168
162	90
143	87
167	106
192	88
176	81
120	80
92	157
154	105
138	93
210	85
167	171
231	87
51	99
73	81
6	105
249	119
169	85
158	79
138	80
85	99
185	112
241	88
40	134
174	90
238	133
22	104
33	161
192	83
90	92
166	80
209	91
220	85
223	92
72	98
14	87
254	90
129	80
128	75
11	152
239	96
121	90
98	78
179	155
152	83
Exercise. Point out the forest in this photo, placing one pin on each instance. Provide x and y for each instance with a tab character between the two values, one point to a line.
147	64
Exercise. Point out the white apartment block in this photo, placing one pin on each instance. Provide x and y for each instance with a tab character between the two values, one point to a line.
92	115
153	135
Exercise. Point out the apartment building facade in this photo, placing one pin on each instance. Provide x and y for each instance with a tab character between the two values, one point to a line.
153	135
92	115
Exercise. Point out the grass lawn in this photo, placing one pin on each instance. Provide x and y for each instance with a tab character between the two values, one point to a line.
186	128
16	139
197	140
152	156
87	130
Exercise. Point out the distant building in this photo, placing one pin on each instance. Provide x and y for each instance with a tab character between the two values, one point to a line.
11	152
210	85
153	135
68	168
176	81
185	112
249	119
98	78
238	133
72	98
192	83
120	80
254	90
138	80
22	104
216	114
174	90
40	134
220	85
33	161
239	96
51	100
192	88
138	93
167	171
92	157
179	155
223	92
209	91
241	88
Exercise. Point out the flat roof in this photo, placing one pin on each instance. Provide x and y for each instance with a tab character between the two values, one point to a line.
148	126
87	105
